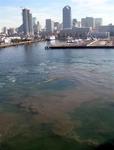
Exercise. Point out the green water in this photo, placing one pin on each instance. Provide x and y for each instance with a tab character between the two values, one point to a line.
93	125
56	100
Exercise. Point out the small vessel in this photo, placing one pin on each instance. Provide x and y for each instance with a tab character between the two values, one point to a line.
50	38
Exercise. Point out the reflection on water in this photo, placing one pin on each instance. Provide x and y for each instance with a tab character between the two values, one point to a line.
64	97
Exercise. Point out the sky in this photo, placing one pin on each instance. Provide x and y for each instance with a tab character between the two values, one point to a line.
11	10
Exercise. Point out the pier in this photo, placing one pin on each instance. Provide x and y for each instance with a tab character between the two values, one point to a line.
97	44
78	47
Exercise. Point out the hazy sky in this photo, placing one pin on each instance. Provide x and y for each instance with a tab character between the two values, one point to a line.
10	10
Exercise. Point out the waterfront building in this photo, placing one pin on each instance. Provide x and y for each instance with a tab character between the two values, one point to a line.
67	19
49	26
88	22
74	33
108	28
99	35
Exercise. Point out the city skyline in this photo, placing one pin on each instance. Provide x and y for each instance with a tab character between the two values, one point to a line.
10	14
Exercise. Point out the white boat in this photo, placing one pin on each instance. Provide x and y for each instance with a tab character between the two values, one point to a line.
50	38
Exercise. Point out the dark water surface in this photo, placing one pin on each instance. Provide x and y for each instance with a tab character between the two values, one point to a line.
56	99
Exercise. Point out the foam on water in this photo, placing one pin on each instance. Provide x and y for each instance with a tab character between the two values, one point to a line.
11	79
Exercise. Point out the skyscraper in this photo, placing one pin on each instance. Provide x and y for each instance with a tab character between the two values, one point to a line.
27	22
25	13
34	21
49	25
30	22
67	19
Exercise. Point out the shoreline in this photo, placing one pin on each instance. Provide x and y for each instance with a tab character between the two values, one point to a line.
17	44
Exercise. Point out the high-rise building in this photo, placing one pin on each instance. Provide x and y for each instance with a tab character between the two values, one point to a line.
67	19
25	13
38	26
98	22
4	30
34	21
27	22
30	22
88	22
49	25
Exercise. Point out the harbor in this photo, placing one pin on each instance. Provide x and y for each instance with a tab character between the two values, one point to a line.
56	75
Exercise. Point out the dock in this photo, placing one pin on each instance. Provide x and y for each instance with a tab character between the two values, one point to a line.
79	47
97	44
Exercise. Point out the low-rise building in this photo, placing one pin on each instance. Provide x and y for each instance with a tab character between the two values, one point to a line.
108	28
74	33
99	35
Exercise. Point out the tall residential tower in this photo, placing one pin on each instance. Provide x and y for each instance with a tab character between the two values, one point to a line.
27	22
